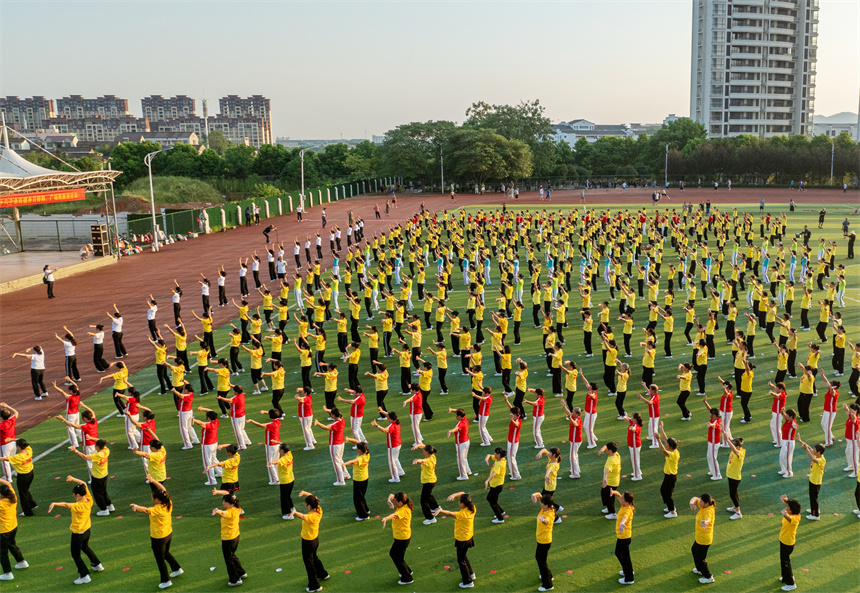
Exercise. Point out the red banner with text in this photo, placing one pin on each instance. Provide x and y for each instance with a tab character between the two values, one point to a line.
47	197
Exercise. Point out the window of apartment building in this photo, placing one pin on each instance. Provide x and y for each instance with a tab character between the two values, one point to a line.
718	22
716	89
719	8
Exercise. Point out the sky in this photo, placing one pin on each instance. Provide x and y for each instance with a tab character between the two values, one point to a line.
352	69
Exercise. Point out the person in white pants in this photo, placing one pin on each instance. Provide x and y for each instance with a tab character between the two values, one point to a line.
72	411
186	417
306	416
209	448
514	428
271	442
356	414
147	428
237	416
714	437
392	443
726	411
590	413
574	419
335	444
852	428
461	443
634	443
778	393
537	415
830	402
416	412
786	451
486	400
653	401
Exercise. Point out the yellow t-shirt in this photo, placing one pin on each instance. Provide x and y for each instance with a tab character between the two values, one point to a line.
81	513
223	379
816	474
736	464
624	513
551	479
8	515
788	531
544	530
464	525
613	464
22	462
311	524
331	380
670	466
158	465
428	470
100	463
381	381
360	471
498	471
705	535
285	469
230	523
231	470
160	521
401	524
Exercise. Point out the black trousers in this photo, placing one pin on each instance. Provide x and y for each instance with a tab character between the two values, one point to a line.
803	402
72	368
622	552
163	557
205	382
98	357
733	492
81	543
682	403
118	345
814	491
667	489
234	566
619	402
398	556
37	380
313	565
542	556
27	502
466	571
428	501
100	495
785	563
359	490
7	546
286	492
493	499
700	559
607	498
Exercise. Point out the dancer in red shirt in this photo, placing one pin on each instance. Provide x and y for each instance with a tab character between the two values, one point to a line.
778	393
714	437
634	443
335	444
356	413
653	401
574	436
461	441
305	398
210	444
786	452
486	400
271	442
830	402
392	443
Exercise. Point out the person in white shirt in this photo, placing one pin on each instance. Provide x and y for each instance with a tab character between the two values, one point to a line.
116	332
69	347
49	280
37	370
177	303
99	348
150	317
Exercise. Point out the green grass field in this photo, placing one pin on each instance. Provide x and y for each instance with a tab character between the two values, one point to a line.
744	556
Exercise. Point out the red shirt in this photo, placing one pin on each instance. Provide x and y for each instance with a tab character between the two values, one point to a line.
591	402
726	401
634	434
830	399
778	403
461	433
714	431
72	404
393	436
7	430
851	428
210	433
186	401
237	406
356	410
537	410
306	407
789	428
146	437
415	404
273	432
335	435
133	406
484	405
574	434
654	406
90	430
514	430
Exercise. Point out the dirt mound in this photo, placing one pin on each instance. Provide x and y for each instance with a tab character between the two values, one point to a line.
133	204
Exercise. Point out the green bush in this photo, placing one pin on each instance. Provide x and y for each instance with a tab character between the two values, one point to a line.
174	190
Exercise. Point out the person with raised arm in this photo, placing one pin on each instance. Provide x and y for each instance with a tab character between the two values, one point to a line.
80	528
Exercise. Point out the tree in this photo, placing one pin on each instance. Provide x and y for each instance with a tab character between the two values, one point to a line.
181	160
412	150
218	142
525	122
210	163
333	161
271	160
128	158
239	161
478	155
363	159
676	134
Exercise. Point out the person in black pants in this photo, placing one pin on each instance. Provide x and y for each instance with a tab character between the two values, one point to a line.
401	525
670	471
624	535
703	507
99	348
160	535
116	332
495	481
428	482
464	527
545	520
359	479
311	541
7	538
22	463
230	535
80	541
787	538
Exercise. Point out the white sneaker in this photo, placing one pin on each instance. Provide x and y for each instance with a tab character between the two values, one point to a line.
83	580
111	508
342	484
623	582
671	515
22	565
560	508
704	581
696	571
611	516
288	517
429	521
165	585
98	567
813	518
177	573
496	520
715	478
789	587
467	585
236	584
397	481
103	513
731	509
605	511
735	517
7	576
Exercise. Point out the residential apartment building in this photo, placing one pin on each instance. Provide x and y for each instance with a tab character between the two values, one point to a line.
26	114
107	107
157	108
96	128
753	66
234	106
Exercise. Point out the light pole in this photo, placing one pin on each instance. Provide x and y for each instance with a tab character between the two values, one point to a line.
832	153
442	164
147	160
302	156
666	169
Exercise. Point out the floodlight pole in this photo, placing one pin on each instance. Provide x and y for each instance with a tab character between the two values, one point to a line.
666	169
147	160
442	164
832	153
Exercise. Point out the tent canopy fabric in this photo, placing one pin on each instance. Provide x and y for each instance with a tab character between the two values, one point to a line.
17	174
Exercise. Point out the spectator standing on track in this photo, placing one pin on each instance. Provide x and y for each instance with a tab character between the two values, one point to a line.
48	280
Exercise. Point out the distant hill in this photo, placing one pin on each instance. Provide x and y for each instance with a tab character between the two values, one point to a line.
845	117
